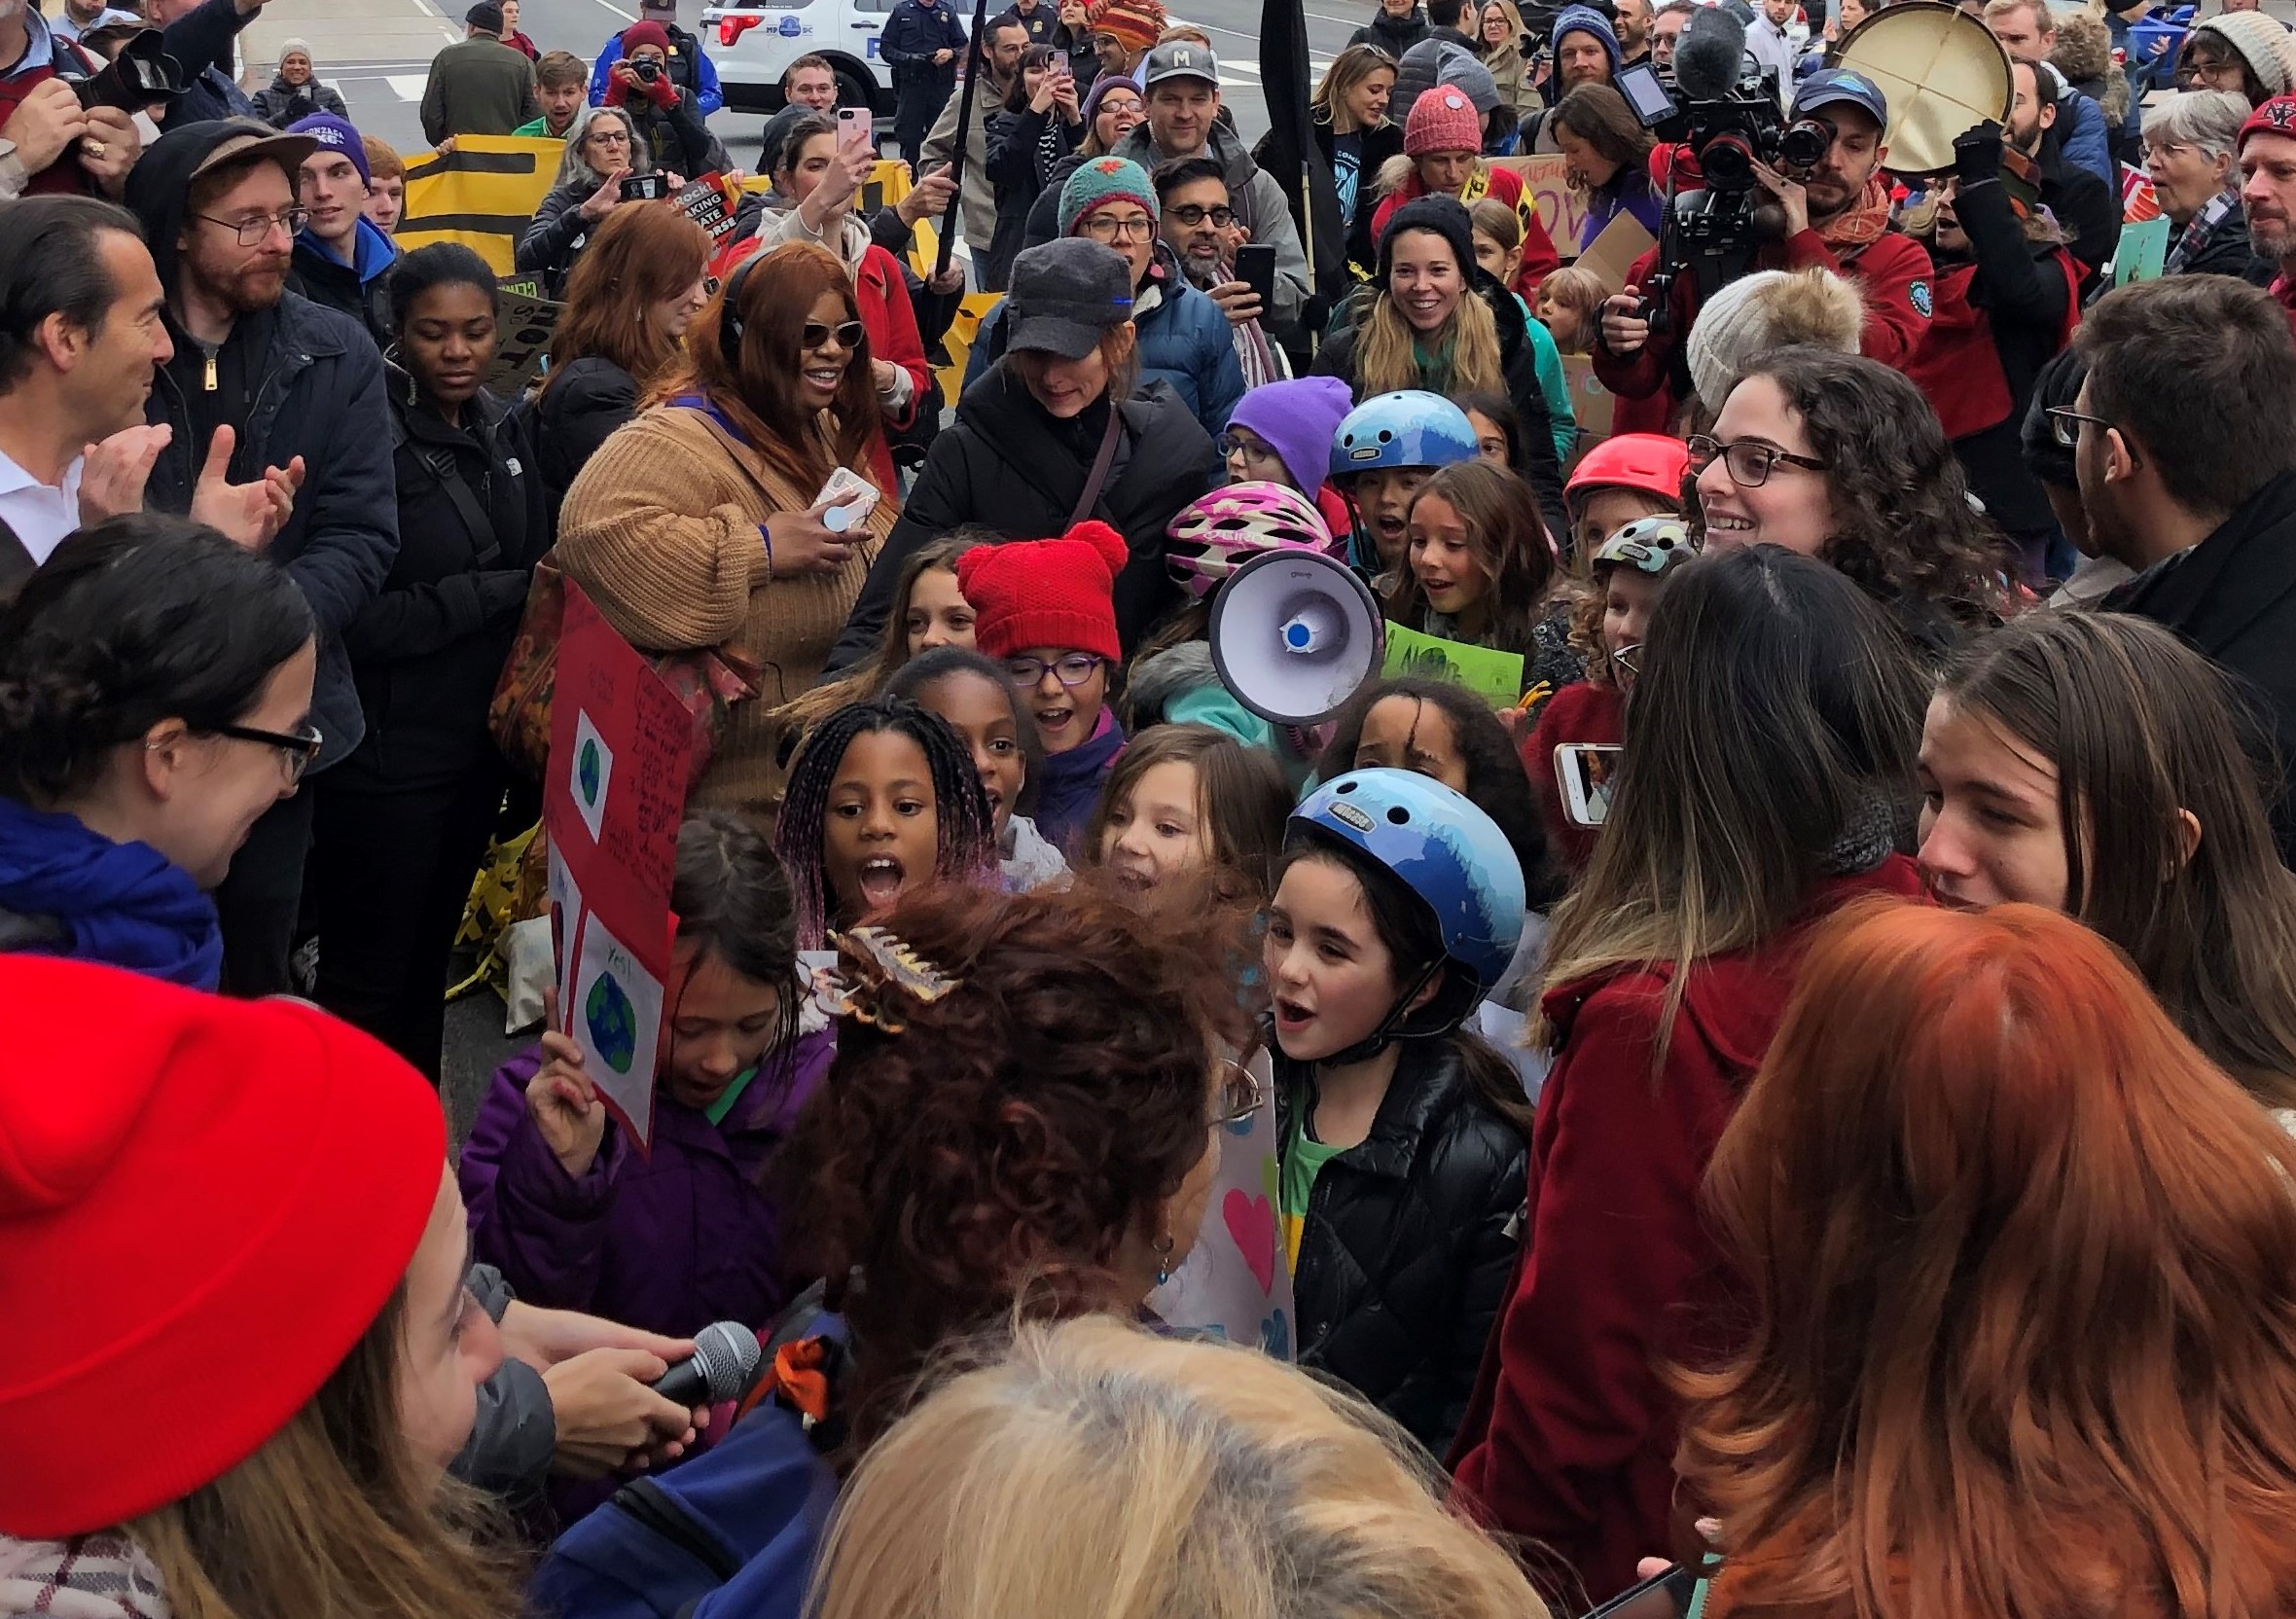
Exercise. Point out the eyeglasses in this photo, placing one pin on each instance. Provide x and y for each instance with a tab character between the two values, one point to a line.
1101	227
1251	449
296	749
2065	424
1748	461
1193	214
849	335
608	137
1239	1094
1072	671
252	232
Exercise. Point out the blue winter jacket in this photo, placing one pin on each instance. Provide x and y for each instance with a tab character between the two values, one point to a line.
2082	138
704	82
1184	341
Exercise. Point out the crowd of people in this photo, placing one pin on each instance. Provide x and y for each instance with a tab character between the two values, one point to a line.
1788	1083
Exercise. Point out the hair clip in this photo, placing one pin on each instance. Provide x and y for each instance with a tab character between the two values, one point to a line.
880	962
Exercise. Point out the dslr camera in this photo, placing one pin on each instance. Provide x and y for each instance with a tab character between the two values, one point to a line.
646	68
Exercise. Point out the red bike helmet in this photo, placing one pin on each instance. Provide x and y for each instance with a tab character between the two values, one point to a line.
1650	462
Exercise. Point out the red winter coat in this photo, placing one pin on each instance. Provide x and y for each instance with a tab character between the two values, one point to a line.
1538	249
1583	711
1570	1438
2284	289
1892	273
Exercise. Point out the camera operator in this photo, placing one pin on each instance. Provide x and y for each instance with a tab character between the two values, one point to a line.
1836	217
662	114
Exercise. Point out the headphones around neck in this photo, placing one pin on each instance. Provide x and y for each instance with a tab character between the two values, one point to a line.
729	320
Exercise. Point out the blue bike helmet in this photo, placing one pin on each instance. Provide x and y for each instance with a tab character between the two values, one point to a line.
1408	428
1450	854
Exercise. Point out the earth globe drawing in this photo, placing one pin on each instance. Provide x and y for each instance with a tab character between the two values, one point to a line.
585	771
613	1023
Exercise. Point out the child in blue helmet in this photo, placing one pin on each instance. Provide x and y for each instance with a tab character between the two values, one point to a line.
1384	450
1402	1136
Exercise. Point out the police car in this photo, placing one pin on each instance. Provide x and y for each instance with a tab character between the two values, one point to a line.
752	45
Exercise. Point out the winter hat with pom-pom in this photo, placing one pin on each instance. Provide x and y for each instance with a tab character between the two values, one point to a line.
1045	593
1772	308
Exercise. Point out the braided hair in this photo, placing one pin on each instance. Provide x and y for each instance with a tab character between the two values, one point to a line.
965	836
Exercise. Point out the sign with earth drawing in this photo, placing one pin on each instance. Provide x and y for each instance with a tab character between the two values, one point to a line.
621	750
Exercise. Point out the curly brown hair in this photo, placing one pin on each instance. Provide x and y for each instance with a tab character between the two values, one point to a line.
987	1161
1904	530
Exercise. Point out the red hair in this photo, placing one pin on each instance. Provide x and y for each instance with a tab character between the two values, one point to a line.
2022	1269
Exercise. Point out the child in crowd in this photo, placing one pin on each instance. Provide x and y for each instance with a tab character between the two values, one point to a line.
1498	249
1628	571
1403	1137
883	798
1282	432
1188	802
979	704
1383	450
1629	476
1047	613
1173	677
676	1235
1482	570
1570	309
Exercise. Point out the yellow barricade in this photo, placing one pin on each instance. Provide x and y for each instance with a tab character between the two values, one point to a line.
963	332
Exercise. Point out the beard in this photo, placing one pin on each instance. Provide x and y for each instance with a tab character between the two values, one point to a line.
245	288
2272	237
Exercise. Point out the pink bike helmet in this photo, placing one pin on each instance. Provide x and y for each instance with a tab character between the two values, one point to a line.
1212	536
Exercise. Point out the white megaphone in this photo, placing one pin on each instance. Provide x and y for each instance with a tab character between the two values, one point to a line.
1295	634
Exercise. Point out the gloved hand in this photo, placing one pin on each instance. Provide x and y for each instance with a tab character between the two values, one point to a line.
1977	153
664	95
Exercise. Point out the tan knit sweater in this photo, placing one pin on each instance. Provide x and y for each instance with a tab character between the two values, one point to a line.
661	527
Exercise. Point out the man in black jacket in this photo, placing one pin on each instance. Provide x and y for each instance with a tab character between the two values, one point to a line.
921	44
2186	458
282	401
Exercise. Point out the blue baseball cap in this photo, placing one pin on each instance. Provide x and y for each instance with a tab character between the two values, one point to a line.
1831	86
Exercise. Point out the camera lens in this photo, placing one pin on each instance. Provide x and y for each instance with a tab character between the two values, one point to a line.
647	69
1806	143
1727	162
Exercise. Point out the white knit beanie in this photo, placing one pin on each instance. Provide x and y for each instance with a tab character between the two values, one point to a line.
2263	41
1771	308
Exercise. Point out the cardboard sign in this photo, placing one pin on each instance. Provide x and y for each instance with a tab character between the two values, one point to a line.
1562	207
1615	248
709	204
1590	401
1236	1282
481	194
621	750
2142	251
522	334
1494	676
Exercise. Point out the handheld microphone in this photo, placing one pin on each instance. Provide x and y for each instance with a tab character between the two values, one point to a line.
725	1358
1708	55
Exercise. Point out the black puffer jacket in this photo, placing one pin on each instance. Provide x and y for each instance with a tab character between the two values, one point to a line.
1409	1241
578	412
1005	463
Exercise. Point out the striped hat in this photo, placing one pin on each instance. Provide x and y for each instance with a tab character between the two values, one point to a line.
1135	24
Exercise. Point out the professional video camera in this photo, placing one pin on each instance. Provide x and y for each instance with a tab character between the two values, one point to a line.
1729	110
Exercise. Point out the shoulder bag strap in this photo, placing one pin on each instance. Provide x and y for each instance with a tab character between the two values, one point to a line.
485	547
1100	465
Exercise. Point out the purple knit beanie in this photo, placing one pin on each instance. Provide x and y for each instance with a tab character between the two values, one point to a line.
1297	419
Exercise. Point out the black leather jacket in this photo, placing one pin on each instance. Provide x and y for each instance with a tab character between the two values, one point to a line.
1409	1241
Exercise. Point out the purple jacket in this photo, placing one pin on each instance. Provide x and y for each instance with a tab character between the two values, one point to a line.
669	1244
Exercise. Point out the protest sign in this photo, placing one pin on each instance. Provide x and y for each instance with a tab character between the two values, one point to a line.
709	204
1494	676
523	331
1237	1282
1561	206
481	194
2142	251
620	752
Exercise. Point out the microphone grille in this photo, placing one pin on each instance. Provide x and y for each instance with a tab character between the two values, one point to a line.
726	1355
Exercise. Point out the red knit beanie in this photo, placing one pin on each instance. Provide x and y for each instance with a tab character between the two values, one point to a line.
1045	593
645	33
203	1204
1443	120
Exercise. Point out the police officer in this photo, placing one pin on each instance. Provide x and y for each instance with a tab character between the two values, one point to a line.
921	43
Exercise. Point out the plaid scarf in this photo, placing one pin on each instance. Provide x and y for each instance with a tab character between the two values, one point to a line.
2195	236
1253	352
89	1576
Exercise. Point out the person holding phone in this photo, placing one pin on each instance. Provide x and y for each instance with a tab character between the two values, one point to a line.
698	524
1040	123
1196	216
601	152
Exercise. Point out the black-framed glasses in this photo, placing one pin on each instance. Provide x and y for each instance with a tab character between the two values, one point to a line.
297	748
1251	449
1193	214
608	137
252	232
848	334
1239	1094
1748	461
1027	673
1101	227
2065	424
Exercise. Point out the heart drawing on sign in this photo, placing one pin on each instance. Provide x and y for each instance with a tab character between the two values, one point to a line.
1251	1222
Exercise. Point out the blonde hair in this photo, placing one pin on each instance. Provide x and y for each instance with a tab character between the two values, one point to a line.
1096	1469
1581	292
1386	356
331	1516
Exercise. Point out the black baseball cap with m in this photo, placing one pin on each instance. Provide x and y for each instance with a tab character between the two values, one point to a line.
1067	295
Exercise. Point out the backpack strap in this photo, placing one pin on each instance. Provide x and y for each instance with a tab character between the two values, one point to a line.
658	1511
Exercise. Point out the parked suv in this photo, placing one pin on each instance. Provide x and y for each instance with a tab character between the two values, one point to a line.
754	43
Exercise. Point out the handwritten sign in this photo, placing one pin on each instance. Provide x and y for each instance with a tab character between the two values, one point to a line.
1236	1284
1494	676
1562	207
621	749
523	330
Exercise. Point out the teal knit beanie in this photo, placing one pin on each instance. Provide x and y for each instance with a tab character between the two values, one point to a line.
1100	180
